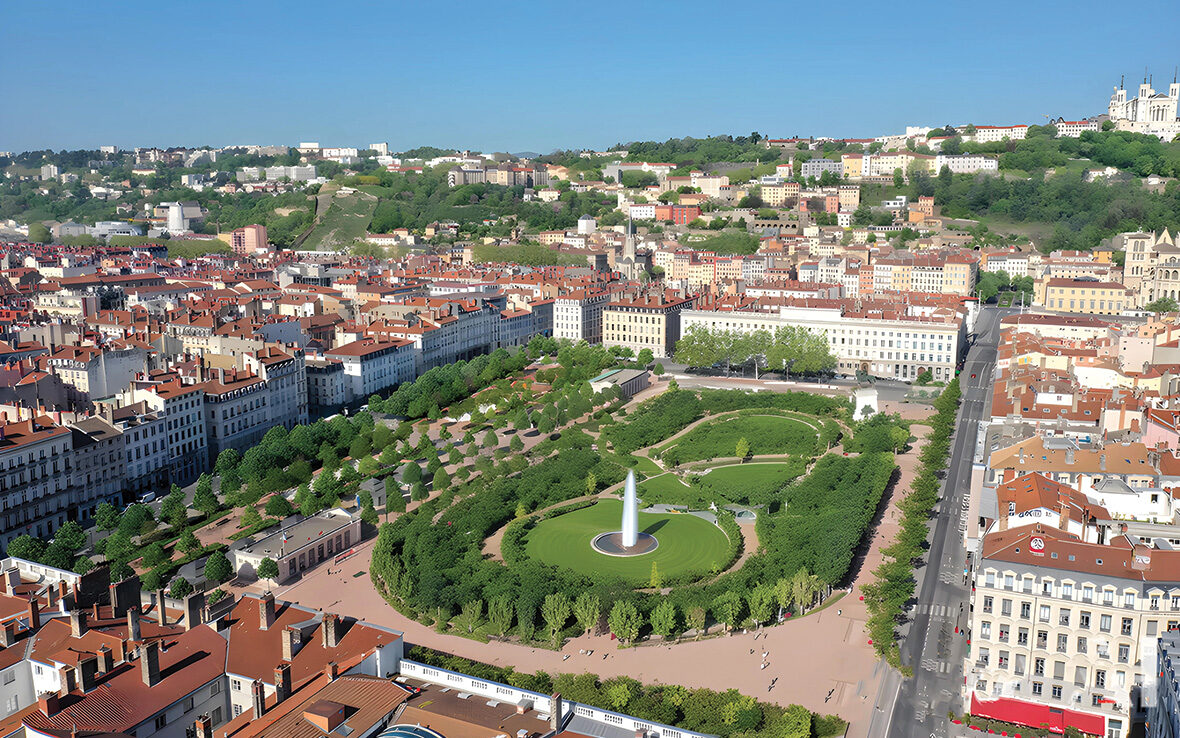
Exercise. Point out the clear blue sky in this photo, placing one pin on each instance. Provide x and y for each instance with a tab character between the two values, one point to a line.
535	76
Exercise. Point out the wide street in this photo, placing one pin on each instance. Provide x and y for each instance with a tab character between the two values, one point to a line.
917	707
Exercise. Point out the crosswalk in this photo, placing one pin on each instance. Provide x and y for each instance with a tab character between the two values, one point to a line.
938	611
936	666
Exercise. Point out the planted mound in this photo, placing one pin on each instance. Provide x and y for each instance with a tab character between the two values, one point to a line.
688	546
764	434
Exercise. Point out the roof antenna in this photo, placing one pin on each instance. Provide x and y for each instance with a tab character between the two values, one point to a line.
1122	82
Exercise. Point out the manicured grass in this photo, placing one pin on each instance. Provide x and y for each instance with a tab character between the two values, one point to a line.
647	467
688	545
766	434
346	221
751	483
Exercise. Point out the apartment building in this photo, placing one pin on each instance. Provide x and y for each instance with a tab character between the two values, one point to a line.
893	340
285	374
145	446
1082	296
249	240
814	168
1163	717
967	163
326	385
991	134
182	407
36	475
99	372
235	409
100	465
577	315
645	322
1066	630
371	365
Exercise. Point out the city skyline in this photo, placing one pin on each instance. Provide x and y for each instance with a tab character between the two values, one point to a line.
417	78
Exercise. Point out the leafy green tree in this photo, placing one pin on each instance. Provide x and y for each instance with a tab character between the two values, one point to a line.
268	569
70	537
490	440
306	501
760	601
654	581
516	445
727	608
218	568
441	480
180	588
250	518
1162	305
204	499
470	615
278	506
500	612
38	233
663	618
106	516
624	621
394	502
743	449
188	542
154	554
27	547
555	611
411	472
418	492
526	621
83	565
587	611
173	508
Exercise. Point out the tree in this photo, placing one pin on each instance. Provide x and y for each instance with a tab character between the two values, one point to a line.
500	614
743	448
418	492
624	621
38	233
411	472
70	537
555	611
268	569
173	508
727	608
278	506
218	569
106	516
250	518
203	498
441	480
187	542
394	502
695	619
760	600
26	547
663	619
1162	305
180	588
654	581
659	369
516	445
154	554
306	500
490	440
587	611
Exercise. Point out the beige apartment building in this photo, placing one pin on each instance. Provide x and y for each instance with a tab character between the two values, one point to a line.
1064	631
1083	296
646	322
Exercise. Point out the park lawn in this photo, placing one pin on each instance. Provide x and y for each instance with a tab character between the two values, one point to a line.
688	544
766	434
754	484
347	220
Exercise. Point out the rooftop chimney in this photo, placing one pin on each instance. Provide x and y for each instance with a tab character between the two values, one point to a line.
68	680
282	682
11	580
266	611
49	704
330	671
194	608
87	670
34	614
259	698
149	663
161	607
78	623
106	659
330	630
203	727
291	640
555	716
133	623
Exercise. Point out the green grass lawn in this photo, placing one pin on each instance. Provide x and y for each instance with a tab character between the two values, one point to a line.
751	483
346	221
647	467
765	434
688	545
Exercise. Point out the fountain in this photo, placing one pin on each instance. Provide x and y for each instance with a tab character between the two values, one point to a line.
629	541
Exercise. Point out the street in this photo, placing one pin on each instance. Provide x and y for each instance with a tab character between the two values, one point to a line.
917	707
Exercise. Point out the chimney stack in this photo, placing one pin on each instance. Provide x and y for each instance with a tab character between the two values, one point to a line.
11	581
555	716
106	660
330	630
291	640
1063	522
49	704
330	671
194	607
161	608
259	697
34	614
68	679
8	634
78	623
133	623
266	611
88	670
203	727
149	663
282	682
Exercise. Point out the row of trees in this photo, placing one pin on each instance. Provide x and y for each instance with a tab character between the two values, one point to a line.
894	585
786	349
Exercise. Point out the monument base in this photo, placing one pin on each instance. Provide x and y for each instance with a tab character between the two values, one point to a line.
611	544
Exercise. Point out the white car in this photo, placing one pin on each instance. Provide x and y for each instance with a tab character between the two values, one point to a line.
148	497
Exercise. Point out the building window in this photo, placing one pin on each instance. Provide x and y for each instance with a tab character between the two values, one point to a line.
161	721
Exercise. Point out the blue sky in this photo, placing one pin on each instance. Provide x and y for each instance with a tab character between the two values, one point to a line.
536	76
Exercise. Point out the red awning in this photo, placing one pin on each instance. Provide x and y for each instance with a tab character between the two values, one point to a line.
1036	715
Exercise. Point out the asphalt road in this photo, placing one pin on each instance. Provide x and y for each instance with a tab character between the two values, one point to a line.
917	707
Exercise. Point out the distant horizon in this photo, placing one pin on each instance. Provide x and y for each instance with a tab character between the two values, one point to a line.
531	77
